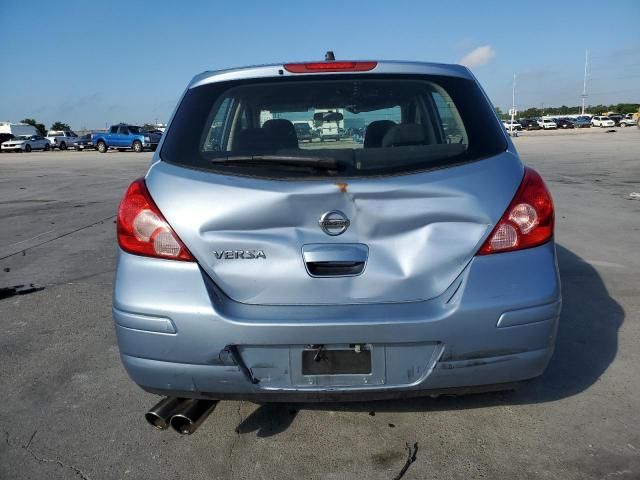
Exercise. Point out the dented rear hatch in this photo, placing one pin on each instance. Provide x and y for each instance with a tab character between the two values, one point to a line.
391	211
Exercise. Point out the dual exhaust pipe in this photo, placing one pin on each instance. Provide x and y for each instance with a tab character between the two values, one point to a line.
184	415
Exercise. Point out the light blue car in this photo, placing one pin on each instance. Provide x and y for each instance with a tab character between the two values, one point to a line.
254	266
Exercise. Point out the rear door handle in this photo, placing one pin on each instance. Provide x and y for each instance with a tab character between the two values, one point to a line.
335	259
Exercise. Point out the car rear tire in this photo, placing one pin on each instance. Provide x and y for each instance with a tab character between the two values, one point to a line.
47	147
102	147
63	146
27	148
137	146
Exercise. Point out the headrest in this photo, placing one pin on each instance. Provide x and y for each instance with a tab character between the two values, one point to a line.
404	135
281	133
375	132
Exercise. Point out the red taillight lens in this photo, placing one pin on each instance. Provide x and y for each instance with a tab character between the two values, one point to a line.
320	67
528	222
142	230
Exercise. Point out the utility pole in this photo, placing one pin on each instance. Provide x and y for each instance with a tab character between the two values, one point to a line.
584	82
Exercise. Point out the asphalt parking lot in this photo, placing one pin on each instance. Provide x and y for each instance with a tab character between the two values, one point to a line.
70	411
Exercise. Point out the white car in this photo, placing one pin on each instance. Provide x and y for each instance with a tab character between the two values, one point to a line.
628	121
547	124
515	125
26	143
602	121
62	139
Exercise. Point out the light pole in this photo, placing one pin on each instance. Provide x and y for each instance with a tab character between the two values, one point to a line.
513	104
584	81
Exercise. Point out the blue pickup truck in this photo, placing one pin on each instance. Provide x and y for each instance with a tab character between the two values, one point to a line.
123	137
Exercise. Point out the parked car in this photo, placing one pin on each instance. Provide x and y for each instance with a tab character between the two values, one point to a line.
155	131
547	124
123	137
530	124
328	122
5	137
253	270
509	125
616	117
25	143
84	143
582	122
61	139
303	131
565	123
602	121
628	121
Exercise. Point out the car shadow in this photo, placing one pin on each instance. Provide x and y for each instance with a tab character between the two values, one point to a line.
586	345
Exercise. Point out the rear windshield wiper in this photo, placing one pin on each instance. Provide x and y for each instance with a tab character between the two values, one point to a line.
298	161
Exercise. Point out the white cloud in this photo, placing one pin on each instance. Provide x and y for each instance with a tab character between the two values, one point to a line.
478	56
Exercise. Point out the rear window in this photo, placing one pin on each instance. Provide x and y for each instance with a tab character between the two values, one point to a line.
360	126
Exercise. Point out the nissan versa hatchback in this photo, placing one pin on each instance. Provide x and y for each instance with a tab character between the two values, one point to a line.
254	264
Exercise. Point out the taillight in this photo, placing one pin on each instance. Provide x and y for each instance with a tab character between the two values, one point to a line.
528	222
143	230
320	67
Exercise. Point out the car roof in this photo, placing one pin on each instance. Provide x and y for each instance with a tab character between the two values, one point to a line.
382	66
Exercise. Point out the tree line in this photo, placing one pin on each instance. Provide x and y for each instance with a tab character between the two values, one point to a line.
61	126
531	112
622	108
42	129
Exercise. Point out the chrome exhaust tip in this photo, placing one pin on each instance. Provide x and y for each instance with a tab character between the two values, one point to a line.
159	416
191	414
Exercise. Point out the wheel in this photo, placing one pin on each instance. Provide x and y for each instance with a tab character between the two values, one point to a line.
102	147
137	146
47	147
27	148
623	125
63	146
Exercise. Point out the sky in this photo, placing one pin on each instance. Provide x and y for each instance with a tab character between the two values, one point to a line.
94	63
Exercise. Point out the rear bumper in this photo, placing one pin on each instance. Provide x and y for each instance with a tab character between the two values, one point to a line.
496	324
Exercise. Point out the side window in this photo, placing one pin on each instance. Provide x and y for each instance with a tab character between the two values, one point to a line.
449	118
114	129
215	135
123	130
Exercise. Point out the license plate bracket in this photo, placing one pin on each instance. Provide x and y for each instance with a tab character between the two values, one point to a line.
336	361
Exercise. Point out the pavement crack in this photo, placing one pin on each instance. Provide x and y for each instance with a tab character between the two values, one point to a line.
22	251
41	459
412	453
30	439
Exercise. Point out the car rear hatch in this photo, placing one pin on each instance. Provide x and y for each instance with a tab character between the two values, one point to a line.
273	220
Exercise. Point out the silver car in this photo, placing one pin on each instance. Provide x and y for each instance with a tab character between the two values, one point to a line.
255	266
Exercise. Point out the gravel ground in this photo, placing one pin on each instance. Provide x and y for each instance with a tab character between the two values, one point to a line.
70	410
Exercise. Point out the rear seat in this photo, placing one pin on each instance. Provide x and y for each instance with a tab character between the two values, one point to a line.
276	134
375	133
403	135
